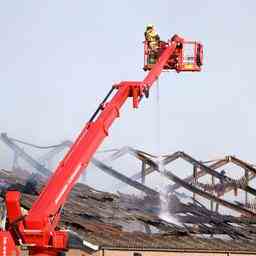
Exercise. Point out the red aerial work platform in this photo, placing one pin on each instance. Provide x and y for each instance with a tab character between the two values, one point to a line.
188	55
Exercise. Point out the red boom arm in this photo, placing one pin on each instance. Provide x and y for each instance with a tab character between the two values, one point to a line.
38	227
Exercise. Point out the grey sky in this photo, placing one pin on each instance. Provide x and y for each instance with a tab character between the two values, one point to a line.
59	58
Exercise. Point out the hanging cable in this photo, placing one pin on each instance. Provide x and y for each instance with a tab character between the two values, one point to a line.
158	119
35	146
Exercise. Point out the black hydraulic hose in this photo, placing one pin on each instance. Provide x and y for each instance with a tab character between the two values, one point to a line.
101	104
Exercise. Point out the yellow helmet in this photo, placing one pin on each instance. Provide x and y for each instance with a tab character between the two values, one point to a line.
149	26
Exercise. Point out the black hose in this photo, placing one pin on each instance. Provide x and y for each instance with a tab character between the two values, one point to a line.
101	104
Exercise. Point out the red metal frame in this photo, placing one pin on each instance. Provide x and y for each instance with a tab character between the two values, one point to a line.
37	230
198	52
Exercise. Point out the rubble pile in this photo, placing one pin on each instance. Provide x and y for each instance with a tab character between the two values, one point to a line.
122	220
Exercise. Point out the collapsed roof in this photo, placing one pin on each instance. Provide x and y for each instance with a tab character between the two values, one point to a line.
122	220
